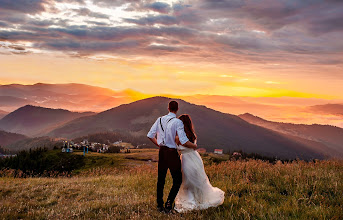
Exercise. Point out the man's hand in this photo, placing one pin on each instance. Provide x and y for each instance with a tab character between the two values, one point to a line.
190	145
154	141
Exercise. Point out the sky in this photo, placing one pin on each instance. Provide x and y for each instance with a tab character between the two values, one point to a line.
269	48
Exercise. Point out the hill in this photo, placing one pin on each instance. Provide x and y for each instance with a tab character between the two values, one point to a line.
112	186
3	114
9	101
330	136
33	143
7	138
214	129
36	121
81	97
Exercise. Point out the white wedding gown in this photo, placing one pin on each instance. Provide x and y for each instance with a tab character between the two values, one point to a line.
196	191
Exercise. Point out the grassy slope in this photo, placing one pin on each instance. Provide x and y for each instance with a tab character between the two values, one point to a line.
125	188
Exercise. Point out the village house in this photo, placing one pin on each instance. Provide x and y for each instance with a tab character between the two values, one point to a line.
68	147
218	151
84	142
67	150
118	142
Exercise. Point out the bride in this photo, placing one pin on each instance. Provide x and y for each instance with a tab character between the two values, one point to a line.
196	191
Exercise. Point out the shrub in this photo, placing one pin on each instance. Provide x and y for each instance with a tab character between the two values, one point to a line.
114	149
41	162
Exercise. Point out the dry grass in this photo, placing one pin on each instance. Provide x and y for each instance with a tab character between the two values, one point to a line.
254	190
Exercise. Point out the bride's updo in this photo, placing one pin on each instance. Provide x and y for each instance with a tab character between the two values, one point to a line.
189	128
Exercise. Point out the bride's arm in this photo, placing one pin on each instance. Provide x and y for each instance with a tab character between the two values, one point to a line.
177	140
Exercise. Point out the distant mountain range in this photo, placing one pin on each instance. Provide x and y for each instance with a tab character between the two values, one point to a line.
74	97
80	97
334	109
214	129
330	136
36	121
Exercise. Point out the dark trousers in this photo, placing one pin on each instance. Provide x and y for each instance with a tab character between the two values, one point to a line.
168	158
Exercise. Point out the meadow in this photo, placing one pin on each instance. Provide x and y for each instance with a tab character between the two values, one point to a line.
122	186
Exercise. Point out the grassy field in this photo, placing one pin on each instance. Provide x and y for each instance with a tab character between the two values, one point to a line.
122	186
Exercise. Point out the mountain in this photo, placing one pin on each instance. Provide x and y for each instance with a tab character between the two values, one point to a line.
3	114
81	97
328	135
214	129
283	109
74	97
36	121
8	101
7	138
333	109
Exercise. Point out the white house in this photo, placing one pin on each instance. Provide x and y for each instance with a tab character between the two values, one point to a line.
218	151
118	142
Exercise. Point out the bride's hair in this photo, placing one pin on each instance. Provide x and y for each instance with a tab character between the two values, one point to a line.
189	128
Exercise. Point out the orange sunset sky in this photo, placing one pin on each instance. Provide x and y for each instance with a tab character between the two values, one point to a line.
235	48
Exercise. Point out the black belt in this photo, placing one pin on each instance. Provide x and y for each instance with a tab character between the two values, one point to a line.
167	147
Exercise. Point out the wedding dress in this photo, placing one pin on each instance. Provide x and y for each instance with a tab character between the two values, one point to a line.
196	191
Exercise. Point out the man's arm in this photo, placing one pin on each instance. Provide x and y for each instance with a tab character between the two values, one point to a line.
183	137
154	141
152	133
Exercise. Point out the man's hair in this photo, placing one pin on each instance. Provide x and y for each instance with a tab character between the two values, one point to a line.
173	106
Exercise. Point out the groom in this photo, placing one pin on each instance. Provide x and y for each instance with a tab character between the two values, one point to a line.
166	128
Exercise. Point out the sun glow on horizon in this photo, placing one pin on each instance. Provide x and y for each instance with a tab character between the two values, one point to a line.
173	47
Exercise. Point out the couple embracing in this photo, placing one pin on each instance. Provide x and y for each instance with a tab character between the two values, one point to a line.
191	188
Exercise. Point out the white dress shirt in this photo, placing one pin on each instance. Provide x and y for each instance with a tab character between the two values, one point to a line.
171	128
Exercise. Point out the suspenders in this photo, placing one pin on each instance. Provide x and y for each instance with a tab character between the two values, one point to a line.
164	133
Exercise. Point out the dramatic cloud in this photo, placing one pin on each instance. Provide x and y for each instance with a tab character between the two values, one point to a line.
30	7
87	12
151	20
222	31
160	7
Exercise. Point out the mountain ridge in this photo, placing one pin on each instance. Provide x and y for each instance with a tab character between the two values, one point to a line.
329	135
3	113
215	129
36	121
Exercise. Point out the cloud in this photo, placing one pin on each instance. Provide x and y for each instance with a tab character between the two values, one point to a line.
160	7
245	43
271	15
86	12
30	7
12	48
329	22
13	18
151	20
88	47
210	31
4	24
115	3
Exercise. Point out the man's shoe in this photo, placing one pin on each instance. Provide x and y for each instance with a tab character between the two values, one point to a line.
160	209
172	211
168	207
